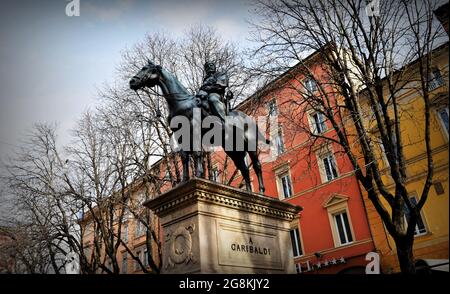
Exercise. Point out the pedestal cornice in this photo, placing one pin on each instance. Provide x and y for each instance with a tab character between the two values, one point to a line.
201	190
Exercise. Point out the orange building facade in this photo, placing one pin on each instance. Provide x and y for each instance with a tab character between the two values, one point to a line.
135	233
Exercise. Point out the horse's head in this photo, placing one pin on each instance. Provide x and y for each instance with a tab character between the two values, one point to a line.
148	76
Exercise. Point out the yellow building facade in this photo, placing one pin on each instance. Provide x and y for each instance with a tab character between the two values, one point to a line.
431	234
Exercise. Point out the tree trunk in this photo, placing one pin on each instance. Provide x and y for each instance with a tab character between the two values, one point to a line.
405	256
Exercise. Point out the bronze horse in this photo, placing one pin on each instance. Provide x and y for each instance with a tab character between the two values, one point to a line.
181	102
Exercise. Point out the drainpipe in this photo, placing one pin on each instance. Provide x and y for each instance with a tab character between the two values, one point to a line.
365	210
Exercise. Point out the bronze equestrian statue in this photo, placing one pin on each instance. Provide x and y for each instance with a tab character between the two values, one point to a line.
209	98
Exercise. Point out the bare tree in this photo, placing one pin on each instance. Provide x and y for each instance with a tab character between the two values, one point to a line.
364	58
50	193
42	221
104	175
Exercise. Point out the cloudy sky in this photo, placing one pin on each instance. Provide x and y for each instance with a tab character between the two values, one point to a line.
52	64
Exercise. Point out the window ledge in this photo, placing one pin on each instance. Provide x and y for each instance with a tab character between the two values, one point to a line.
332	180
344	245
422	235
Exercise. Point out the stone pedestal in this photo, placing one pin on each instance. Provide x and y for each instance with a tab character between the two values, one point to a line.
213	228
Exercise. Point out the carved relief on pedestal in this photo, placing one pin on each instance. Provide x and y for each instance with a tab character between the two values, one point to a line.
179	246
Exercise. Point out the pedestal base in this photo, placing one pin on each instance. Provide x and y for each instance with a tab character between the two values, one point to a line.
213	228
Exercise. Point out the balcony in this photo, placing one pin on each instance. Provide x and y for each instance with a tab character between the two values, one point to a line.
436	81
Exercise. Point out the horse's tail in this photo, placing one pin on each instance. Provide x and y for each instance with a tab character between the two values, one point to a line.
260	137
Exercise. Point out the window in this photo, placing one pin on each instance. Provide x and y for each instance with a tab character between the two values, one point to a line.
443	117
124	263
145	258
139	228
310	85
167	175
343	228
339	218
438	188
87	251
329	166
394	145
285	181
136	263
125	233
296	243
435	80
215	174
272	108
376	107
383	152
420	225
279	142
318	123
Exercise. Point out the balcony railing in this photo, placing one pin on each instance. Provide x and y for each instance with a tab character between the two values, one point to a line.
435	83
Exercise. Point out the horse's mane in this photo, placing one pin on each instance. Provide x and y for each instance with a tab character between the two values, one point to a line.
181	87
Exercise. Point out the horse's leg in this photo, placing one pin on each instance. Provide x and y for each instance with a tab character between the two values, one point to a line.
239	162
258	170
185	161
198	164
